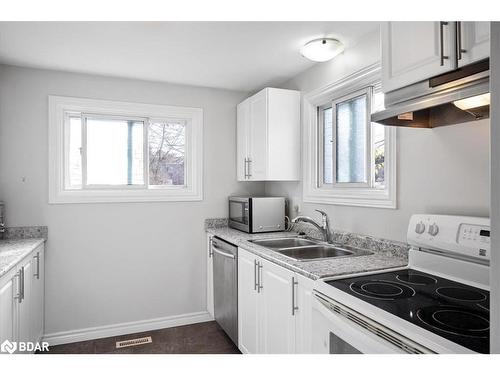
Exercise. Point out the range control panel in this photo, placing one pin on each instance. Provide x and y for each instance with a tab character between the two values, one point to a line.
463	235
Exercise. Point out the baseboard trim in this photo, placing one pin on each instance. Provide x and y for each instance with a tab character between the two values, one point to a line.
77	335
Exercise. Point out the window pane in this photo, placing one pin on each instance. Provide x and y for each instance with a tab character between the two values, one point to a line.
167	152
114	152
327	146
351	140
75	152
378	135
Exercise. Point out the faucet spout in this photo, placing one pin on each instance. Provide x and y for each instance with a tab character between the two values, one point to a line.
324	227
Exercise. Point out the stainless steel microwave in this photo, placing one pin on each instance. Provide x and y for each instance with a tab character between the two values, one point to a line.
257	214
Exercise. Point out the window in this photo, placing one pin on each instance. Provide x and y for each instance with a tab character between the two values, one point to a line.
348	159
104	151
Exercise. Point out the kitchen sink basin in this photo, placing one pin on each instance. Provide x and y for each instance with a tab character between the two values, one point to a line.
315	252
281	243
305	249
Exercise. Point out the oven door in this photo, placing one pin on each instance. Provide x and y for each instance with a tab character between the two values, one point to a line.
340	330
239	214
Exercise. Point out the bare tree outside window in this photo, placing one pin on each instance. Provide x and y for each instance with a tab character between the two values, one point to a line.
167	146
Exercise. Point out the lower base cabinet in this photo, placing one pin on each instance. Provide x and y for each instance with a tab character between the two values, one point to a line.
273	307
22	301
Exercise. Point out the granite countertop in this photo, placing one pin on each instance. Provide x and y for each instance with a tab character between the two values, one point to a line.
386	254
12	251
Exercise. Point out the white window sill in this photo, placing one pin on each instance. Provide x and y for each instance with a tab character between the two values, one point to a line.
357	197
115	196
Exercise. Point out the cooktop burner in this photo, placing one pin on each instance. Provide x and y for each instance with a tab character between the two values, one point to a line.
411	277
456	320
461	294
384	290
457	312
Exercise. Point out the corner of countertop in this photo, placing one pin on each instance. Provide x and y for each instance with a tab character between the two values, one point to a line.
25	233
216	223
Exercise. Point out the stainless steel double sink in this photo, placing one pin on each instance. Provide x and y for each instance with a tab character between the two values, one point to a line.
307	249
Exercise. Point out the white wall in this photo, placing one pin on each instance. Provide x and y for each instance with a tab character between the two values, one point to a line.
495	188
442	171
114	263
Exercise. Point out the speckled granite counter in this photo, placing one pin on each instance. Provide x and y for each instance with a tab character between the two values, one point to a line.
386	254
13	251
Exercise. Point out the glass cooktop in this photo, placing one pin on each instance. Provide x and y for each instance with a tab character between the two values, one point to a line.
457	312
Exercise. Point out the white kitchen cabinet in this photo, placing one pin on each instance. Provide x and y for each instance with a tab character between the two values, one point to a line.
268	136
277	308
8	306
22	300
26	317
303	316
210	277
38	294
248	293
273	307
415	51
474	42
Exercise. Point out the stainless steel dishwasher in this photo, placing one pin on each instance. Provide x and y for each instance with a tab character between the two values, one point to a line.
226	286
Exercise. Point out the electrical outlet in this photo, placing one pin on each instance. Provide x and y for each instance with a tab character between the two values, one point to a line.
295	206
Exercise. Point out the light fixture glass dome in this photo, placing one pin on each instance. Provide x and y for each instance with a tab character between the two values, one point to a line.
322	49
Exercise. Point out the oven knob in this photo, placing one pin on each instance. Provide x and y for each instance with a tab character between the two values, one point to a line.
433	229
420	228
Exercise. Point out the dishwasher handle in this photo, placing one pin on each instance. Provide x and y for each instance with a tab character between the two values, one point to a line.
224	254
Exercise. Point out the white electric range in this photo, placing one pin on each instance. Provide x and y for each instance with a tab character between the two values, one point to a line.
439	303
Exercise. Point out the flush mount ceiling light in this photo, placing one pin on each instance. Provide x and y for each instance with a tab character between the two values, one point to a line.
473	102
322	49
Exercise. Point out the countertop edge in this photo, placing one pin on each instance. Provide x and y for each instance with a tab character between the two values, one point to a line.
24	248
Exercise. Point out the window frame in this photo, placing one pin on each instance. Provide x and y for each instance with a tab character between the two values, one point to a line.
348	194
62	108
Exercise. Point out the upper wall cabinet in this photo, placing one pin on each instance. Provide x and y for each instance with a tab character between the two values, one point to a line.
473	42
416	51
268	136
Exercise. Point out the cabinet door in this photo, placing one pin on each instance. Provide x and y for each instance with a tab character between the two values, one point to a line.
276	311
25	323
415	51
210	277
303	315
474	42
37	295
8	307
247	303
258	136
242	139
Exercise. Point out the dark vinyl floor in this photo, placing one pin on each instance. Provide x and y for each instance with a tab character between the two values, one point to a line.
200	338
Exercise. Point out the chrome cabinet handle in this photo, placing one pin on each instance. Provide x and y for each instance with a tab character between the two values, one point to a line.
442	24
460	50
260	286
210	251
294	284
37	257
224	254
18	295
256	282
246	174
249	162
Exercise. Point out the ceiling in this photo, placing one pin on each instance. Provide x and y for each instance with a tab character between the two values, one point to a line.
231	55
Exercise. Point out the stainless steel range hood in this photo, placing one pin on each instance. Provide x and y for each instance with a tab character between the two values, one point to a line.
429	104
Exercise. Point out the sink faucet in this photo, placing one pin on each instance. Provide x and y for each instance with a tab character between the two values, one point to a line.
324	227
